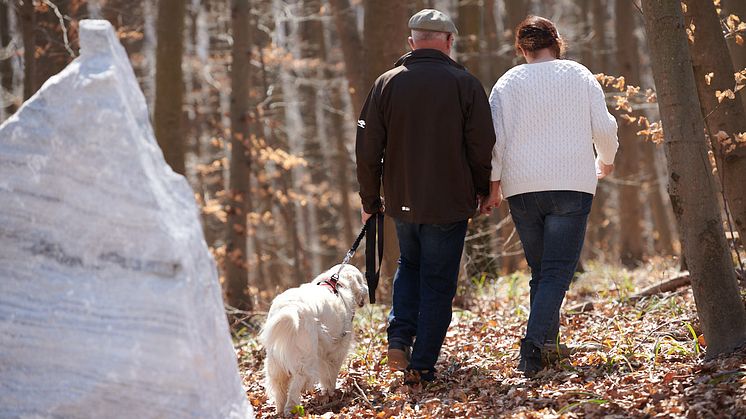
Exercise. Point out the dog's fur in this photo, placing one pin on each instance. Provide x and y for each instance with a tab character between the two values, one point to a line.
308	334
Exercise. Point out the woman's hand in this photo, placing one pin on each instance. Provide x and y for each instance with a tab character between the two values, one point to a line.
603	169
492	201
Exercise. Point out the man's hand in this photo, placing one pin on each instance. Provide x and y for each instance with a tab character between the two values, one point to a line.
364	216
492	201
602	169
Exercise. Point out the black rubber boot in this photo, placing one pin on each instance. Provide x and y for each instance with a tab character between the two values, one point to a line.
530	362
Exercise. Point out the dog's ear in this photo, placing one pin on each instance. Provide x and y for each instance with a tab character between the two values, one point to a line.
358	286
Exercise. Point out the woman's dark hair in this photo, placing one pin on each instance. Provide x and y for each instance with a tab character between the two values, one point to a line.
536	33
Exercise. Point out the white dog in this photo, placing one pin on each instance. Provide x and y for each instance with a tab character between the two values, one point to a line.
308	334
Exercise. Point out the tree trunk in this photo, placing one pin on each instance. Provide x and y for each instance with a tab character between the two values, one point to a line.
169	85
469	22
691	186
309	42
385	41
478	247
598	229
737	52
710	55
659	208
6	69
584	28
385	37
628	170
56	31
128	19
492	55
27	19
352	51
236	277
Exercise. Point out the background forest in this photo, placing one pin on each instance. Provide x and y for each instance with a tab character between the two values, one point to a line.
255	102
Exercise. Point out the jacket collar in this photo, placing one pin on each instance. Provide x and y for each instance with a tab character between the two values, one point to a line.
419	55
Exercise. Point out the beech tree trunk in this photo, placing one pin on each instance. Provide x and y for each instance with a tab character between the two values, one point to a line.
710	55
385	41
627	164
737	52
691	185
6	70
27	19
169	85
127	17
352	51
478	246
236	277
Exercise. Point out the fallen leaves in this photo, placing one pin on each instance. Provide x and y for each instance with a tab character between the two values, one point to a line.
638	359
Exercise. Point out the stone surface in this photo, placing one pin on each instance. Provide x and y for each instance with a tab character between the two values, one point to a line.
110	304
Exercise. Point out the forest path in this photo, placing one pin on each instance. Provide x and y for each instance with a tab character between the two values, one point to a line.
639	359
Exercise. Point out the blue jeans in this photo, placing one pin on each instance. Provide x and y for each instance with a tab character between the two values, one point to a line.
424	287
551	225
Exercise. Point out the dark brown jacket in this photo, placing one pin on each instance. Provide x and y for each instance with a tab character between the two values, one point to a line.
426	127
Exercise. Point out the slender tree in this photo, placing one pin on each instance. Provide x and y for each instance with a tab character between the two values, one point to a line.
691	185
737	51
628	169
127	18
6	70
710	58
236	271
27	18
169	84
385	36
352	51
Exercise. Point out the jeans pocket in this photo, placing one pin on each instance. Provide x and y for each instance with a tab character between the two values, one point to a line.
569	202
516	203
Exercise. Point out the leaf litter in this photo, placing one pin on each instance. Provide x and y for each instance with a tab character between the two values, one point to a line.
631	358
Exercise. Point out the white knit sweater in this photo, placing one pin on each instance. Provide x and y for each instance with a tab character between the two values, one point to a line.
547	117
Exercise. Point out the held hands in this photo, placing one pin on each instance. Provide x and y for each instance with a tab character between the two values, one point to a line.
492	201
603	169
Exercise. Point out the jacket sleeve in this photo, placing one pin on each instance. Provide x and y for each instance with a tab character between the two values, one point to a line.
603	124
480	138
498	152
370	145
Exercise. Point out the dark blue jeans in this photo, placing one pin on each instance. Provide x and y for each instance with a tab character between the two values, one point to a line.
551	225
424	287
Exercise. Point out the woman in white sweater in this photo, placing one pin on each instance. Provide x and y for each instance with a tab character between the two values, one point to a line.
548	116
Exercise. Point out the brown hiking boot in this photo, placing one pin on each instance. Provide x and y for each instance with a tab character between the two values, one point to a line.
398	359
550	353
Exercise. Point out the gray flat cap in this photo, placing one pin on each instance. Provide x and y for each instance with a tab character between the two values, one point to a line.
432	20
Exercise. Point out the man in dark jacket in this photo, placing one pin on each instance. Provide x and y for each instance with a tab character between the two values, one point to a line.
426	132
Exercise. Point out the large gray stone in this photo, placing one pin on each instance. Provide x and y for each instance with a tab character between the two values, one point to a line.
110	304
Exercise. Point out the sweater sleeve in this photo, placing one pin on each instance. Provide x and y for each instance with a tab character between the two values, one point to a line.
603	124
498	151
370	145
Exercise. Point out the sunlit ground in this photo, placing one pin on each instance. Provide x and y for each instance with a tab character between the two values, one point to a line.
634	357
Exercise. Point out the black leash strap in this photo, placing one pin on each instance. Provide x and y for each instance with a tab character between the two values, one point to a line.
373	228
334	280
373	242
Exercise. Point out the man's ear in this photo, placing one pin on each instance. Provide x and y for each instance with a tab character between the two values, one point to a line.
411	43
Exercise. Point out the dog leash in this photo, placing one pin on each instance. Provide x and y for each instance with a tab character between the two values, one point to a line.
374	230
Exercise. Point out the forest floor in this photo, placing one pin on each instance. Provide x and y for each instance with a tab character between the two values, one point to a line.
636	358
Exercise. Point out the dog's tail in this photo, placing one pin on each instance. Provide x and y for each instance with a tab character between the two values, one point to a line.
280	329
